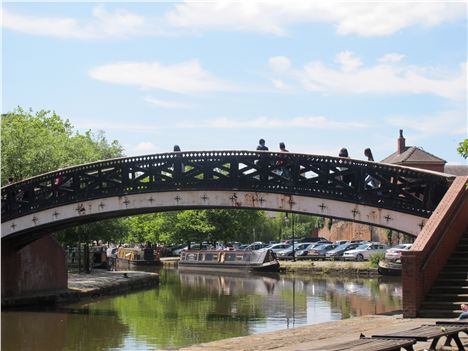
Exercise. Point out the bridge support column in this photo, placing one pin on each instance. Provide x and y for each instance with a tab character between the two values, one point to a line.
38	266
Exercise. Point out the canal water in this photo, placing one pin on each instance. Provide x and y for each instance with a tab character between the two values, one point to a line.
190	308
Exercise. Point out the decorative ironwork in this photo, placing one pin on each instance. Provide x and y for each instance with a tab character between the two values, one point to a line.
151	200
55	214
322	206
355	212
204	197
35	220
102	205
421	225
80	209
126	202
388	218
394	187
177	198
13	225
261	200
291	202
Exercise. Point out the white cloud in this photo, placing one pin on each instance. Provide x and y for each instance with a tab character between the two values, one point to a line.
279	63
315	122
348	61
350	17
112	125
272	17
145	147
392	57
104	24
381	78
452	122
165	103
186	77
280	85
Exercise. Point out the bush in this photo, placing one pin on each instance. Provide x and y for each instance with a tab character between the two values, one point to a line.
375	258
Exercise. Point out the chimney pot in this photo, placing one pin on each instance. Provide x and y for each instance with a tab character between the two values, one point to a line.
401	143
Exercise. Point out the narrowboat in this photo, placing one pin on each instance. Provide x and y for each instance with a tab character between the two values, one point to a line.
128	258
234	260
389	267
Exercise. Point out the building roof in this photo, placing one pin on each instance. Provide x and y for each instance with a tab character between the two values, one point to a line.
413	154
456	170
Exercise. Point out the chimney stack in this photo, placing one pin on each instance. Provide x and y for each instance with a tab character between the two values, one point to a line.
401	143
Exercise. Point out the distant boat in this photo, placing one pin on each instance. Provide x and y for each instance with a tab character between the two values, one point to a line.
389	267
128	258
252	261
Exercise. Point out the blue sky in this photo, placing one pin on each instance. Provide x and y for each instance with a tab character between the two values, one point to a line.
317	75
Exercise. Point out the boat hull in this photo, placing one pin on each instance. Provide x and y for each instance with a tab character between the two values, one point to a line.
229	261
266	267
389	268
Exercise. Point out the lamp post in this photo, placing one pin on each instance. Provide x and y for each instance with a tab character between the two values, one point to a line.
286	219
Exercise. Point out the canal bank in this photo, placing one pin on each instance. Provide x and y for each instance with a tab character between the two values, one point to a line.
85	286
309	267
333	268
324	334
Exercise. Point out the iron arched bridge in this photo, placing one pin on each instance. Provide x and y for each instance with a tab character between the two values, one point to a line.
391	196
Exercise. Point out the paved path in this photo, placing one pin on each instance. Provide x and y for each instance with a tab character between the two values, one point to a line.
315	336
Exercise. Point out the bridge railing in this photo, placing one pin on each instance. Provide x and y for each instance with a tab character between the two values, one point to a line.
370	183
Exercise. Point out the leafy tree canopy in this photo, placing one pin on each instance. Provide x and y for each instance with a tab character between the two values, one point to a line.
36	143
463	148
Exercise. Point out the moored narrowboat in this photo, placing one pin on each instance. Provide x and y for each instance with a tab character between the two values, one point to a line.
128	258
236	260
389	267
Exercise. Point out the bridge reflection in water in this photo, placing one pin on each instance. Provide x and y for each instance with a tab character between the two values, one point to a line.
191	308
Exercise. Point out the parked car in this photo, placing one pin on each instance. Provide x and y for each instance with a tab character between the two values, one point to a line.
394	253
193	247
287	253
303	251
320	251
312	239
364	251
278	247
337	252
256	246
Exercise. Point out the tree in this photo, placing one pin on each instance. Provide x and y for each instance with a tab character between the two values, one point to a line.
463	148
36	143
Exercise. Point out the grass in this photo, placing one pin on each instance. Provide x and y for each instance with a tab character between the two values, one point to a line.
324	265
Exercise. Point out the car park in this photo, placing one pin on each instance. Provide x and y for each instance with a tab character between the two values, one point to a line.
303	251
337	252
256	246
394	253
287	253
320	251
364	251
278	247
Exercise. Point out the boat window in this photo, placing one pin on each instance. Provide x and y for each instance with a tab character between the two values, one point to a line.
240	257
191	256
230	257
211	257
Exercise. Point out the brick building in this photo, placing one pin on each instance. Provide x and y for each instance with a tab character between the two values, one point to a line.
412	156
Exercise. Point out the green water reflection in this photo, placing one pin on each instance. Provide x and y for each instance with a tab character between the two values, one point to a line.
191	308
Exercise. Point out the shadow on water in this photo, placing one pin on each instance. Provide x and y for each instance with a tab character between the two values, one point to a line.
189	308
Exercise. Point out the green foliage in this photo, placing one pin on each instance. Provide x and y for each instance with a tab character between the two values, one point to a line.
389	236
330	223
108	230
35	143
375	258
463	148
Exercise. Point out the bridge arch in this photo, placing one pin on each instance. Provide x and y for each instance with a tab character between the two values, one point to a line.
396	197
